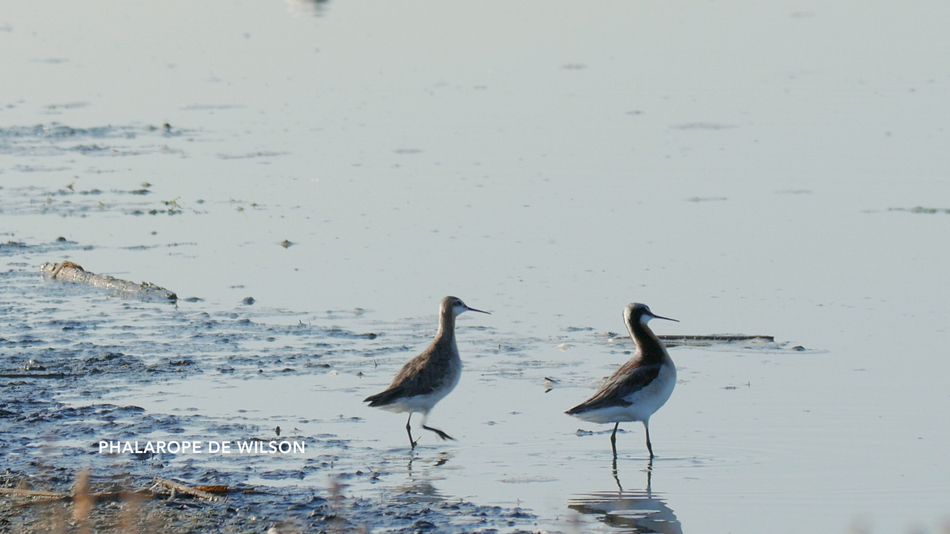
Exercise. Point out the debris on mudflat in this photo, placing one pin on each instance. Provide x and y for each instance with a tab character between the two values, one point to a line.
706	340
68	271
187	490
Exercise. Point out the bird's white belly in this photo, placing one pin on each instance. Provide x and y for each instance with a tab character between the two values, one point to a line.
424	403
417	403
644	402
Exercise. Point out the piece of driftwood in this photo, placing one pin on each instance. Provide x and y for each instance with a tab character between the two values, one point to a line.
68	271
706	340
712	339
181	488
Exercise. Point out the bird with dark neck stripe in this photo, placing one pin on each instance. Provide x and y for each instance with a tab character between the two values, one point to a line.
639	387
426	379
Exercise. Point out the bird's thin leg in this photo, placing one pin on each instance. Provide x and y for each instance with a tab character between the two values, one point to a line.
649	478
412	444
441	434
646	426
613	439
613	471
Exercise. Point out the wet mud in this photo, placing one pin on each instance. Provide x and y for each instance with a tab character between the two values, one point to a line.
55	139
66	346
68	351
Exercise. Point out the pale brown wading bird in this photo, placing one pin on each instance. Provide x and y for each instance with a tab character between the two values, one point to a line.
426	379
640	387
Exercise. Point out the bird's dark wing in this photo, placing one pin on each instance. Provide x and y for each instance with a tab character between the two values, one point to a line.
419	376
630	378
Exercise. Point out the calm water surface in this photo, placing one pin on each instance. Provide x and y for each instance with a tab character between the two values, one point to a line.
743	167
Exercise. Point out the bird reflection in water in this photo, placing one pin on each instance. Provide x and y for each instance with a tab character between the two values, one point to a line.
630	511
418	486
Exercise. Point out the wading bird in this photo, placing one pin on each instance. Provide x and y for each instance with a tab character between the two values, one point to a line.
426	379
640	387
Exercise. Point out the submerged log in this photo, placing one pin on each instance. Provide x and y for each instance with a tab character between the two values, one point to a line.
716	337
706	340
68	271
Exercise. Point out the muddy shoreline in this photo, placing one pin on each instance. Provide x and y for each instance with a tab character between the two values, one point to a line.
67	341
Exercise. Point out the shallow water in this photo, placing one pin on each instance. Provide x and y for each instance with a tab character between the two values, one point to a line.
744	168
